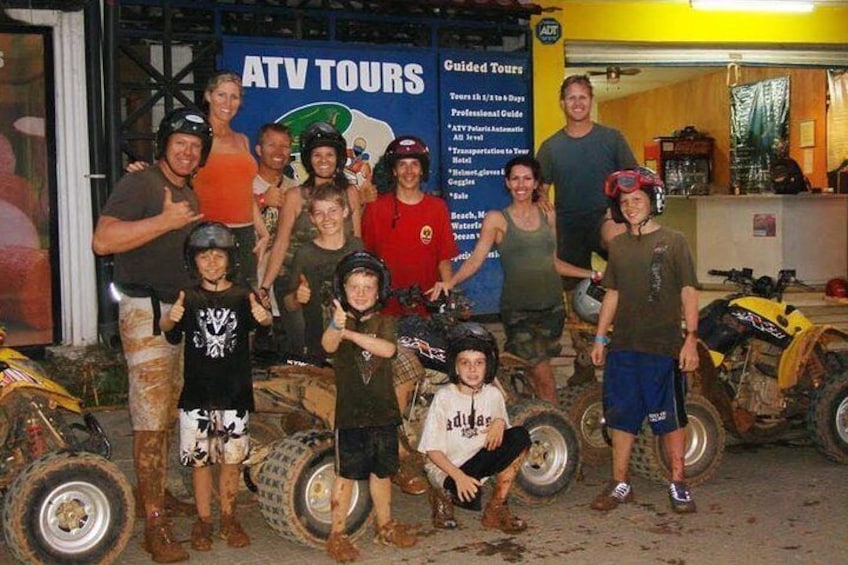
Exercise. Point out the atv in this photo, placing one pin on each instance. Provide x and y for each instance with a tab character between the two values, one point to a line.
63	500
295	401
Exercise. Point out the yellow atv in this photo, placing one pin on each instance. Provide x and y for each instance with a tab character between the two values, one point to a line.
63	500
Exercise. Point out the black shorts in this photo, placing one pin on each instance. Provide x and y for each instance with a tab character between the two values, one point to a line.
361	452
486	463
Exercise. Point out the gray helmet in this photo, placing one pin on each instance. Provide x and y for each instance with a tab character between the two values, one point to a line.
587	300
211	235
188	121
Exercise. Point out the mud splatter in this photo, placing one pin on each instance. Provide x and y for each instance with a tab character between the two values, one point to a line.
506	549
752	520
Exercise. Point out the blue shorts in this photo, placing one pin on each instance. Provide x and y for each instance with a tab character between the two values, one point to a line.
639	385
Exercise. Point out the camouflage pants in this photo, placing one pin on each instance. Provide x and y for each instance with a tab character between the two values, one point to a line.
154	366
534	335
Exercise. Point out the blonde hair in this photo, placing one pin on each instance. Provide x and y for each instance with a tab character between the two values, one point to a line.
220	78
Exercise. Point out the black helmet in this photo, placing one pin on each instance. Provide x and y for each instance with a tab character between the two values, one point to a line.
586	301
211	235
188	121
361	261
630	180
408	147
322	134
474	337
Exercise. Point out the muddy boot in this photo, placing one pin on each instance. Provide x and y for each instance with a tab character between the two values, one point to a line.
340	548
159	541
396	534
442	507
201	534
232	531
174	507
410	474
497	515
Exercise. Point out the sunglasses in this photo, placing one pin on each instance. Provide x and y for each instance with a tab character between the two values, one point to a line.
625	182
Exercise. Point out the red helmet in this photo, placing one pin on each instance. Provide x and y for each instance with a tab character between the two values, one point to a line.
409	147
836	288
630	180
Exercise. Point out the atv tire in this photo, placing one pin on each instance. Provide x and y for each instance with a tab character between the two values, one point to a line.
584	406
705	440
295	486
827	418
553	461
69	507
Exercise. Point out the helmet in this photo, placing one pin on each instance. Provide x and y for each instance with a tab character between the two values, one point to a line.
836	288
629	180
184	120
322	134
409	147
211	235
472	336
587	300
361	261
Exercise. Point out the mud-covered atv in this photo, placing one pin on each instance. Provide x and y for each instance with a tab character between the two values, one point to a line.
293	475
583	402
63	500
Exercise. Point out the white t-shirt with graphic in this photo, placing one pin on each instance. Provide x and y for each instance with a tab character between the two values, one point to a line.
448	427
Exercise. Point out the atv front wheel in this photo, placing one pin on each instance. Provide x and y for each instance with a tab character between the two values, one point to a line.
295	486
705	440
827	419
585	407
554	457
69	507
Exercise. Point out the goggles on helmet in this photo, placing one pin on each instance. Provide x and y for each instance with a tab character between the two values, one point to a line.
630	180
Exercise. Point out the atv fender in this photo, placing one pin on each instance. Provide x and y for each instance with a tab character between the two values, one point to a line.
797	355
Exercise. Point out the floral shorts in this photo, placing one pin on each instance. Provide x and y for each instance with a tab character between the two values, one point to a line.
213	436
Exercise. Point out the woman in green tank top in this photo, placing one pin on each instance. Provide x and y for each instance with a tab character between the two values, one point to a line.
532	309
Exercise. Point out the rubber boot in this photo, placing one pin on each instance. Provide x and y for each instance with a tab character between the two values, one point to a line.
442	508
150	454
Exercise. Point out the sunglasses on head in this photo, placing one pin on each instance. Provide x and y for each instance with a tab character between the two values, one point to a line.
628	181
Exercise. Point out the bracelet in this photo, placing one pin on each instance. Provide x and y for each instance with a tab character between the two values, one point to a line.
265	289
693	333
335	326
602	339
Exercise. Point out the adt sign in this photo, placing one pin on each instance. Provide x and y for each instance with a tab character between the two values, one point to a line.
548	31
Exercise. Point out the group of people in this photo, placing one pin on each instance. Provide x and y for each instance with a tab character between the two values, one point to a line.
195	233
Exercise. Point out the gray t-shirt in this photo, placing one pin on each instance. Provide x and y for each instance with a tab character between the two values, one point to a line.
649	272
579	166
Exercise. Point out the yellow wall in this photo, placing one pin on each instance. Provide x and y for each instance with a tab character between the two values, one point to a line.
663	21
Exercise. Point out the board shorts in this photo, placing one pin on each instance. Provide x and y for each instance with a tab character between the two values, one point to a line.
406	367
534	335
643	385
208	437
361	452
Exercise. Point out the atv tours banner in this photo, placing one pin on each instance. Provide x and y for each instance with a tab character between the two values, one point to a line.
472	110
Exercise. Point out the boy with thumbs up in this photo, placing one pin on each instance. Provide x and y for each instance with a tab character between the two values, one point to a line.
314	263
216	317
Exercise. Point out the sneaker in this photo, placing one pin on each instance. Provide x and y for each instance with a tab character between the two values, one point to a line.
613	494
396	534
681	498
340	549
201	535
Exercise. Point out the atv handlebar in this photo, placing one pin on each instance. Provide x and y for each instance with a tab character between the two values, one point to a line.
453	305
764	286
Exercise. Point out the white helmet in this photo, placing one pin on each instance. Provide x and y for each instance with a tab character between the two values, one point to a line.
587	300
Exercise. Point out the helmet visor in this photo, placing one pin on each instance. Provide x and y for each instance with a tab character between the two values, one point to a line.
627	181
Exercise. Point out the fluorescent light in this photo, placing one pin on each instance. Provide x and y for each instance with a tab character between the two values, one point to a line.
753	6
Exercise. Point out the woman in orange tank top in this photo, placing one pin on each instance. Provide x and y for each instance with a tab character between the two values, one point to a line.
224	186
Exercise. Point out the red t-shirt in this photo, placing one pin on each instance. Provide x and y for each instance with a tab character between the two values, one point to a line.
411	239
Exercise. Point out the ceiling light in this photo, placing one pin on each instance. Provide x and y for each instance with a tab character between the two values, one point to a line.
753	6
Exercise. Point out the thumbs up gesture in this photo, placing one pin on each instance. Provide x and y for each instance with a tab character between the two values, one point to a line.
303	292
260	314
339	316
367	188
178	308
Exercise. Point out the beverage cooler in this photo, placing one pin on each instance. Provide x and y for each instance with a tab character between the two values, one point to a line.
684	162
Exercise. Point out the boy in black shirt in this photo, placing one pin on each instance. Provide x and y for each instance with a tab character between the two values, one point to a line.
216	317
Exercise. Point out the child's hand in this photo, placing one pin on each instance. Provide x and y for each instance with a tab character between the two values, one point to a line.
260	314
467	487
303	292
598	354
494	436
339	316
177	309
